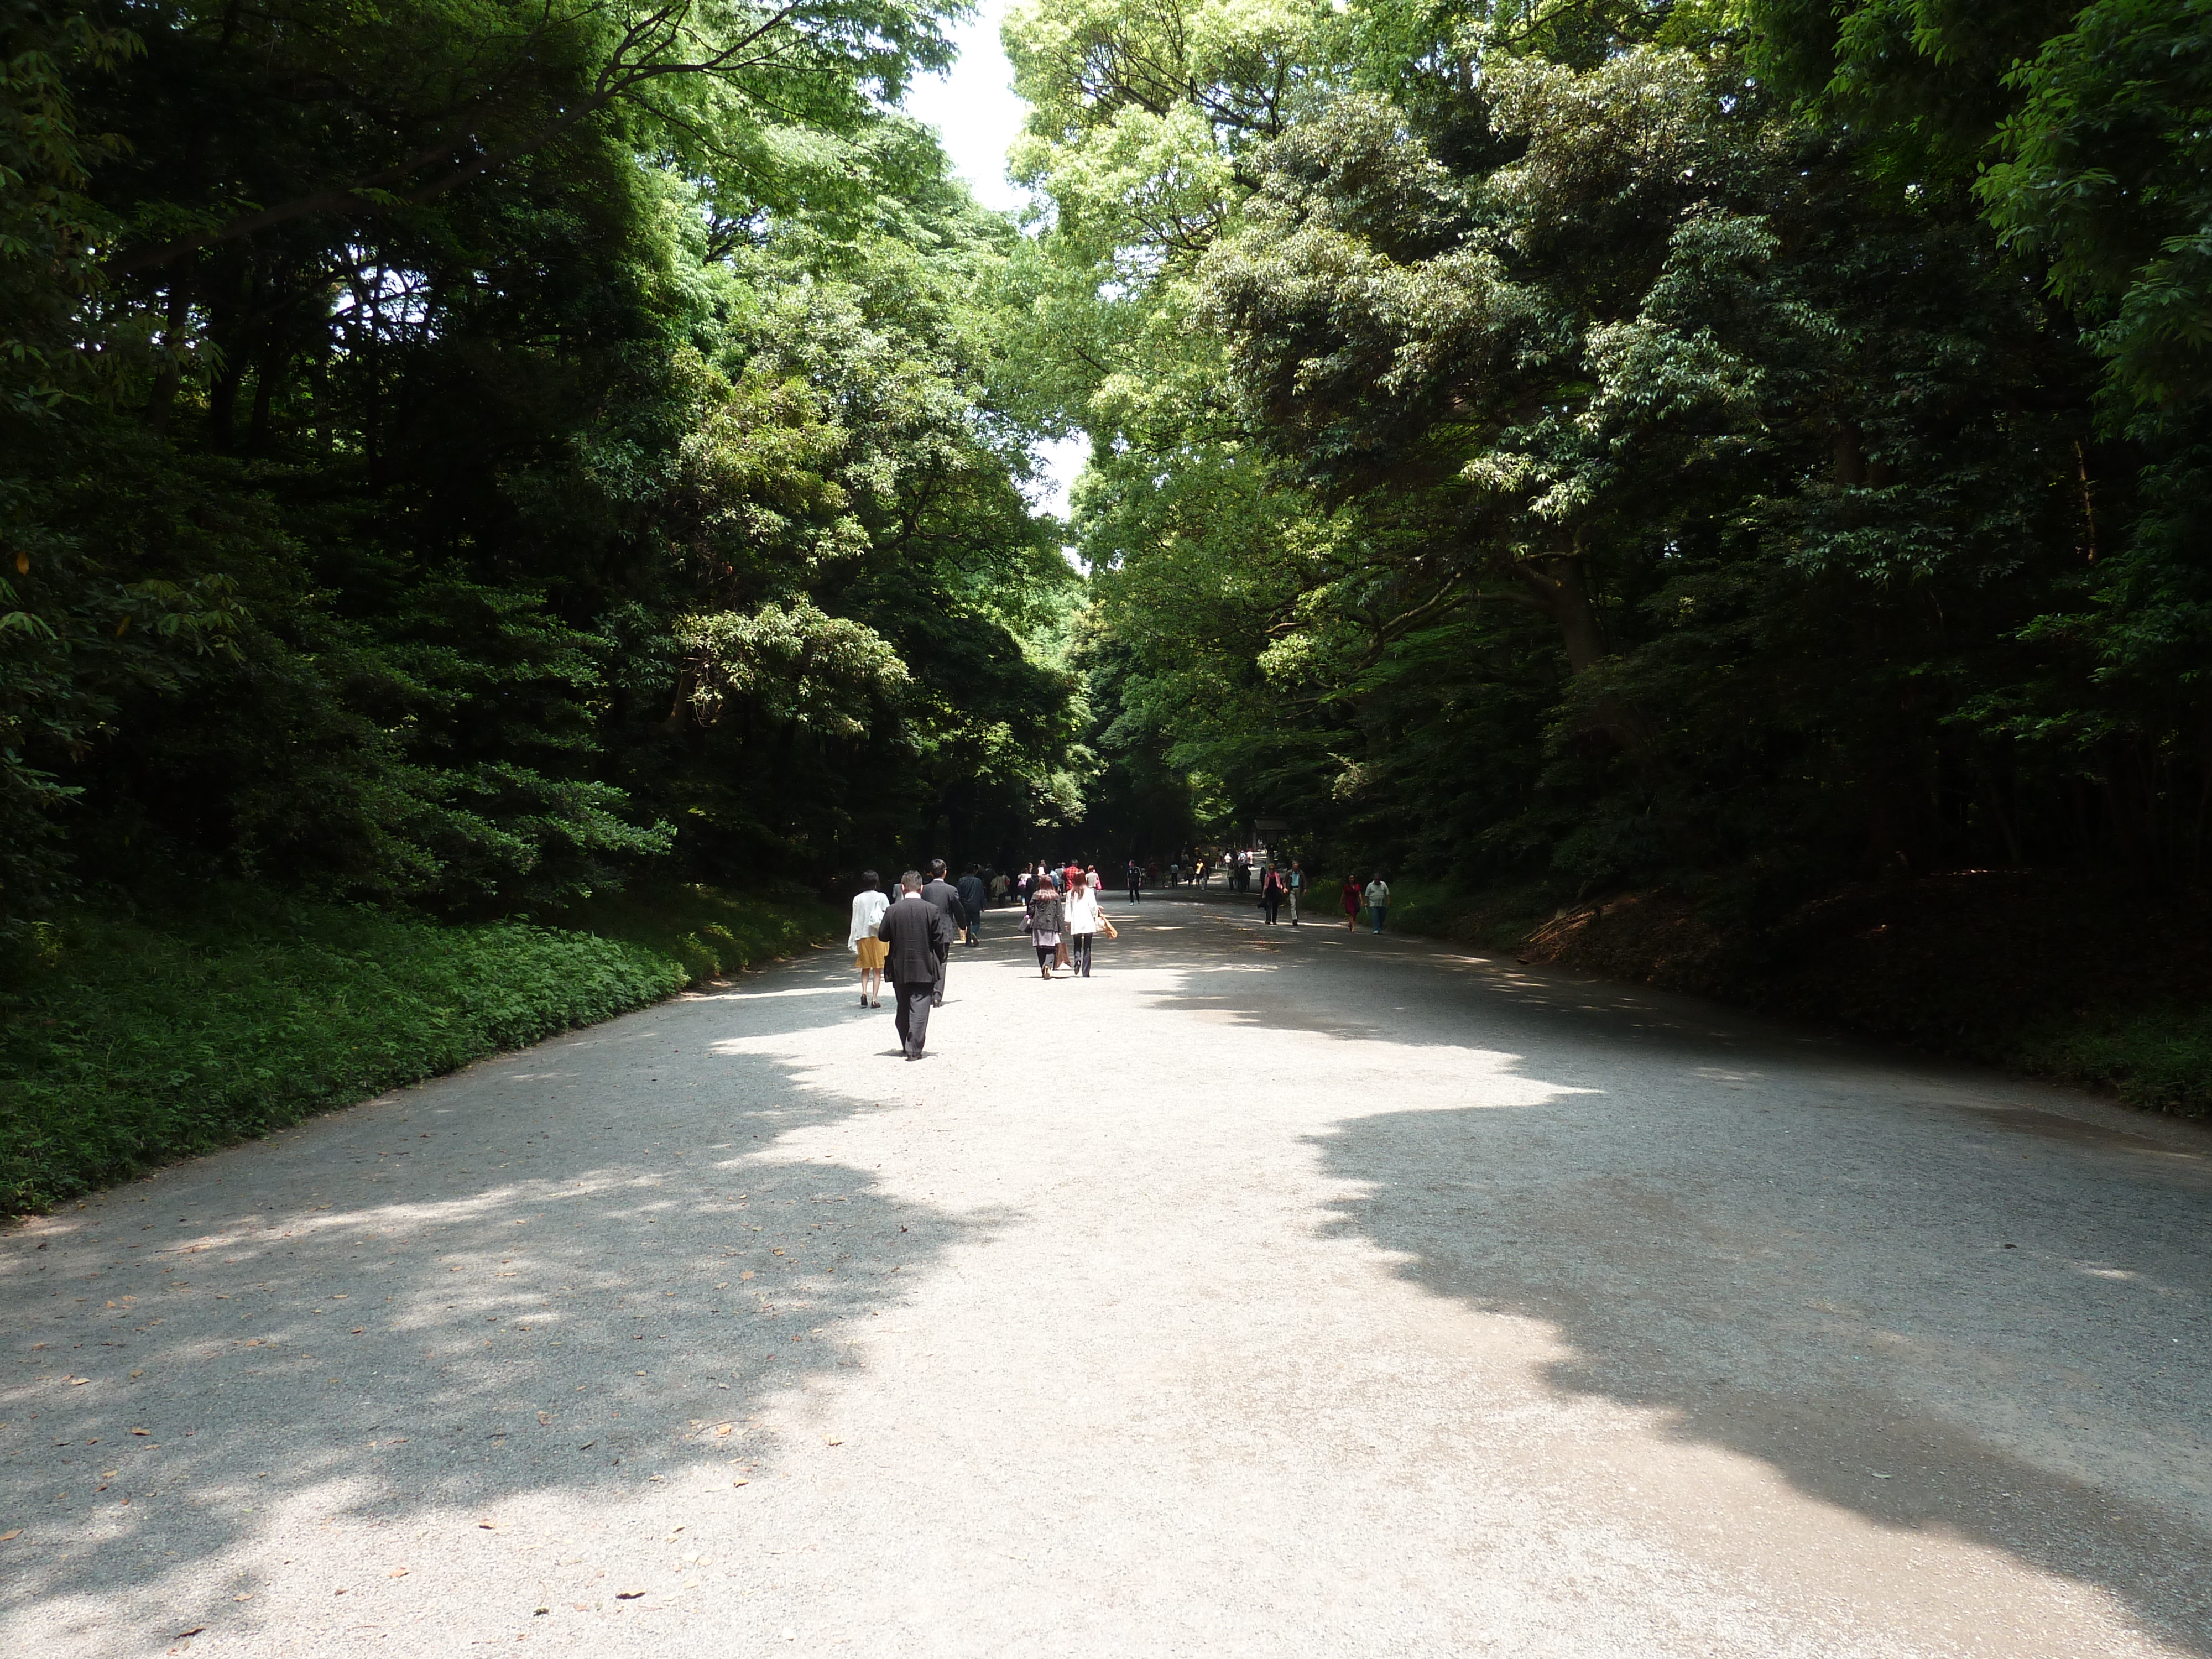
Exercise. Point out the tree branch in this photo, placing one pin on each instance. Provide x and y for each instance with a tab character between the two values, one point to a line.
616	79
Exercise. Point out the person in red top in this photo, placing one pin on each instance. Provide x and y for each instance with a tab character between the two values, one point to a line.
1351	902
1067	876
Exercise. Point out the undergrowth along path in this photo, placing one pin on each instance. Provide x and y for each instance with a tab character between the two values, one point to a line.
1274	1292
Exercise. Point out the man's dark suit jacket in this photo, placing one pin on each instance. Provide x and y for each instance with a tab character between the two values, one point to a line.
946	898
918	934
973	895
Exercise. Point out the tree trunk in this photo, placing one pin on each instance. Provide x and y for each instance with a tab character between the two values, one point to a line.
1562	588
165	381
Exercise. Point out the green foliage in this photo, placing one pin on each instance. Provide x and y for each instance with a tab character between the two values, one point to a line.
2104	171
2160	1059
131	1041
706	930
1561	460
468	456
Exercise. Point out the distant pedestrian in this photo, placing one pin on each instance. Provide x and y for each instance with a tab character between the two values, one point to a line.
1083	923
946	898
1378	902
915	935
868	907
1272	889
1296	881
1136	875
1044	924
1351	897
973	895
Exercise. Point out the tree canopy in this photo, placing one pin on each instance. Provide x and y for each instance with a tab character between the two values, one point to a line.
1605	443
466	455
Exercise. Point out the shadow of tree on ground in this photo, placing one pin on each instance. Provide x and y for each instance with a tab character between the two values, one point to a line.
523	1284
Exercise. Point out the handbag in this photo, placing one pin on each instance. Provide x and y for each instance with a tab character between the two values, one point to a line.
1106	928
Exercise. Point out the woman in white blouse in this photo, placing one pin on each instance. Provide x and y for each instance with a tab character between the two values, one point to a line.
868	907
1082	907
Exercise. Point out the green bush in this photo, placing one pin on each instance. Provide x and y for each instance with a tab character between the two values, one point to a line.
127	1042
707	931
2160	1060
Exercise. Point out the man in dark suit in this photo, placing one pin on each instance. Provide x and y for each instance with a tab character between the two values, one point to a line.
942	894
973	895
918	934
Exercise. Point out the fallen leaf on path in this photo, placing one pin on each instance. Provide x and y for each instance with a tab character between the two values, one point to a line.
545	1418
142	1430
396	1573
358	1329
827	1441
722	1429
488	1526
78	1381
747	1274
5	1536
247	1596
195	1629
580	1607
740	1483
628	1595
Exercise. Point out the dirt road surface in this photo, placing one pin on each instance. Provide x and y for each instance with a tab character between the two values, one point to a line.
1274	1292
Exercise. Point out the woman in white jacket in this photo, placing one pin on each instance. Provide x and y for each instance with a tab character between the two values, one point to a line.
1083	921
868	907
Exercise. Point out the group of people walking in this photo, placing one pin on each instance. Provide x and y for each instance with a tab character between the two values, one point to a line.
1280	888
908	940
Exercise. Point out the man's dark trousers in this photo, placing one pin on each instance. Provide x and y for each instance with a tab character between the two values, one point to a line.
912	998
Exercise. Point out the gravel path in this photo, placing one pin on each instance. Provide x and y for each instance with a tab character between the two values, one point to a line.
1274	1293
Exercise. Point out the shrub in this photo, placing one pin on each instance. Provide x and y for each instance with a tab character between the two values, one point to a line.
130	1041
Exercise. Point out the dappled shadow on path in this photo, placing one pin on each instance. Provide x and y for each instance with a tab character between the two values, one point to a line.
2003	1367
568	1273
1942	1318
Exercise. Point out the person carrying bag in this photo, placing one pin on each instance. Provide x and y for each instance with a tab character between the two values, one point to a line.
1084	923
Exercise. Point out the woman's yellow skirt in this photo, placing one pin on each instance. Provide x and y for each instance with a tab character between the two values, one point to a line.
869	957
